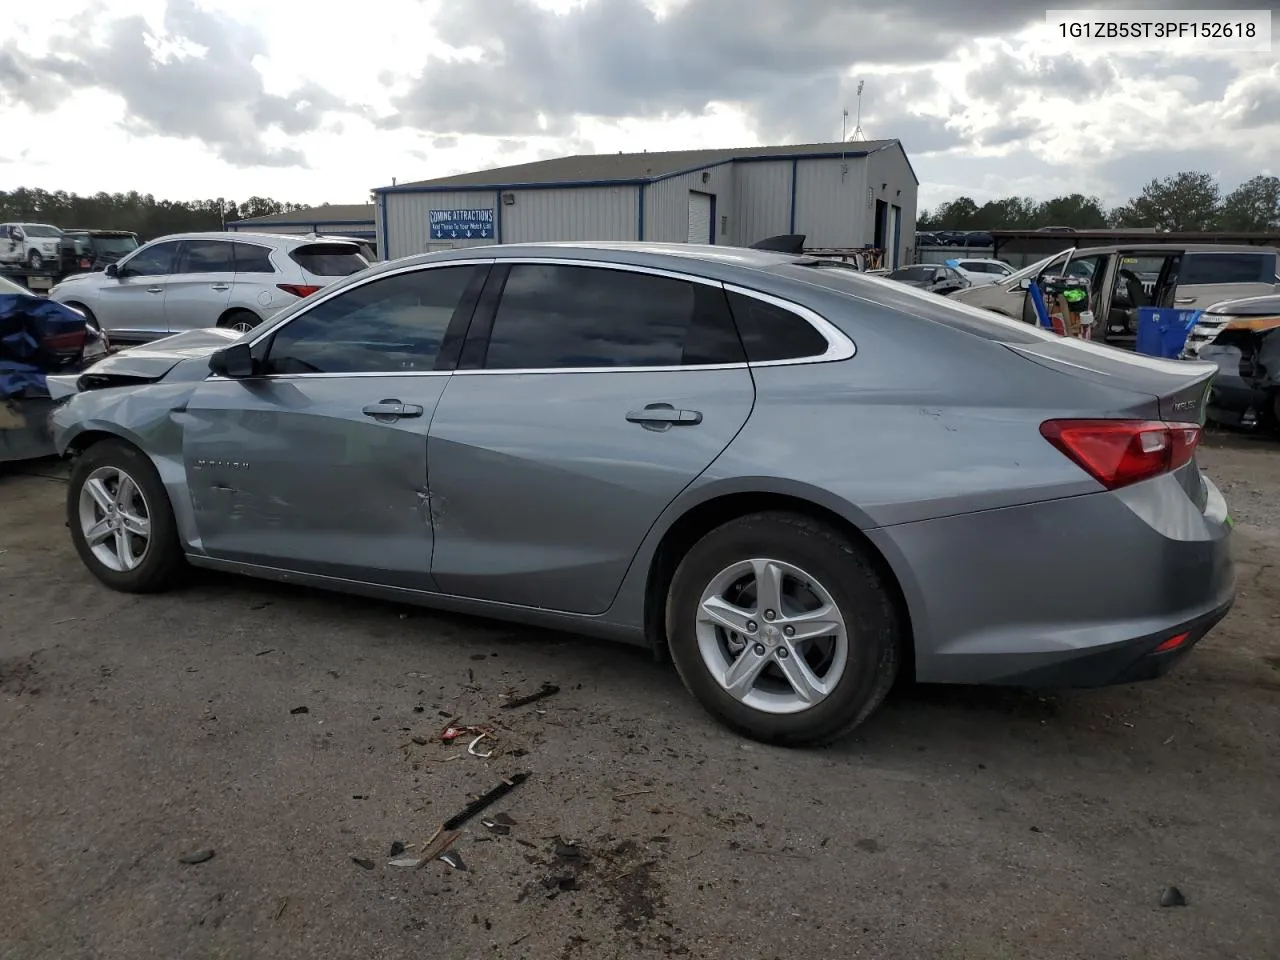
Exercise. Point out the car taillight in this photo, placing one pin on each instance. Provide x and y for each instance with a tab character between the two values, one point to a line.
65	343
298	289
1117	453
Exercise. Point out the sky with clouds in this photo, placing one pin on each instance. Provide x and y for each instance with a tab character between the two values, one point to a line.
321	102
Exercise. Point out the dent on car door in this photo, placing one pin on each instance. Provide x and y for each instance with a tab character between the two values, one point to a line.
318	462
588	397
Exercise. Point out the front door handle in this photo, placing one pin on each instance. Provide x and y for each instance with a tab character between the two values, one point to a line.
155	289
392	410
663	416
1184	299
221	286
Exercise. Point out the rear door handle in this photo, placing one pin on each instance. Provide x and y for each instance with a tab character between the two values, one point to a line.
662	416
392	410
222	286
1184	300
155	289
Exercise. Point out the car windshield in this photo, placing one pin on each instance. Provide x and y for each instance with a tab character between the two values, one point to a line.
40	230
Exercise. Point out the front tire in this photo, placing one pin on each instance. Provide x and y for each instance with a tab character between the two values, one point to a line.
121	521
34	260
783	628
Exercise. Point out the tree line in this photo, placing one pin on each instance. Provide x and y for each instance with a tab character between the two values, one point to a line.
140	213
1185	202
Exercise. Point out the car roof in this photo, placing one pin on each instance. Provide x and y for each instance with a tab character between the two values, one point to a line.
280	238
1163	249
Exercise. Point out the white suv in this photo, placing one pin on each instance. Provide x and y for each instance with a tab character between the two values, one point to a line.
191	281
34	245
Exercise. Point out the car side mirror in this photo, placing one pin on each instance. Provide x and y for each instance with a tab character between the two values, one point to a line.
1024	283
112	270
235	361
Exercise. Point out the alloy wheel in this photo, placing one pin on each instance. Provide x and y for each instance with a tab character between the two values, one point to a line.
772	636
115	519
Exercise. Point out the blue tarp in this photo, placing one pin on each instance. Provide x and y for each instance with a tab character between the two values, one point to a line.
37	336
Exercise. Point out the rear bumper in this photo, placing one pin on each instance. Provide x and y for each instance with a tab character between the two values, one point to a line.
1078	591
1128	662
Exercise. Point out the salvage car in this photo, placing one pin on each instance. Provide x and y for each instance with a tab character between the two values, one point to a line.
1125	279
718	453
32	245
194	280
1245	346
934	277
84	251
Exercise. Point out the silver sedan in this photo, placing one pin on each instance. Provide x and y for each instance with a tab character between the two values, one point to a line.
797	481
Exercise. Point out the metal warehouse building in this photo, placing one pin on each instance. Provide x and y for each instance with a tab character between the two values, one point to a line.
840	195
348	220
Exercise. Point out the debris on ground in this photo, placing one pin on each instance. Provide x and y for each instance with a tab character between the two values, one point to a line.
499	823
297	710
471	748
485	800
281	906
546	690
197	856
362	862
453	731
420	741
1172	897
454	859
397	848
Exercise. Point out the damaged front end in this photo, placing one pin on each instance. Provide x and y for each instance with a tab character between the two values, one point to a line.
40	340
1246	391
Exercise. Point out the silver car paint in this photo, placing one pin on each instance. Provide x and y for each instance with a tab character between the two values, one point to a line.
926	440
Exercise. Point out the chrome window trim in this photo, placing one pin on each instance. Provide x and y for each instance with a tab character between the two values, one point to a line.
839	345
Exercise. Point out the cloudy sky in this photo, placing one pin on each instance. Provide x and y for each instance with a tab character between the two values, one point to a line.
320	102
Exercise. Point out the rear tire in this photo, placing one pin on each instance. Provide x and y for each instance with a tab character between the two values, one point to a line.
241	321
766	681
121	521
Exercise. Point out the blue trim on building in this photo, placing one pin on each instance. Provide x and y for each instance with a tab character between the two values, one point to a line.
497	216
712	239
640	211
382	243
795	169
627	182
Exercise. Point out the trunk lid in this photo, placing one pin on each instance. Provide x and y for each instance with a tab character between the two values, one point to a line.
1175	391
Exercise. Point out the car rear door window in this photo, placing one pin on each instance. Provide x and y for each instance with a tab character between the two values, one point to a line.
329	259
392	325
154	261
251	258
1215	268
555	317
771	333
206	256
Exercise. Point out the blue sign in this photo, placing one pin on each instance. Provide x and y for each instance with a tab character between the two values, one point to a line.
461	224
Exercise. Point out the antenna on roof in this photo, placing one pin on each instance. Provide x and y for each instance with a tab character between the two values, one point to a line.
857	125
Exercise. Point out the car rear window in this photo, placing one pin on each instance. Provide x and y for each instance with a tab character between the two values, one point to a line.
329	259
1229	268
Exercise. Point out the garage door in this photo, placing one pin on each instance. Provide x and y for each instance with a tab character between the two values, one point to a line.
699	217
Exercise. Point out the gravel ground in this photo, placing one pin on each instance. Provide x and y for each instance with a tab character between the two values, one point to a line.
957	823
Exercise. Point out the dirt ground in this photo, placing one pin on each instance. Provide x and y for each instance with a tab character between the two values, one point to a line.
957	824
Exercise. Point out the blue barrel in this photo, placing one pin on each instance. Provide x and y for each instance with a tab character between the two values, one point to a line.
1163	332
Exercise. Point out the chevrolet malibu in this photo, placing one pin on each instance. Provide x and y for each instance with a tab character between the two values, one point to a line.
796	480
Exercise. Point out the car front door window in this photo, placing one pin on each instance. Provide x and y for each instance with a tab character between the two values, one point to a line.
131	305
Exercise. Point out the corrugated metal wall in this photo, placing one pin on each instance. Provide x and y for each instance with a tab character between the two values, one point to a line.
666	204
578	213
830	202
408	219
762	201
890	167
